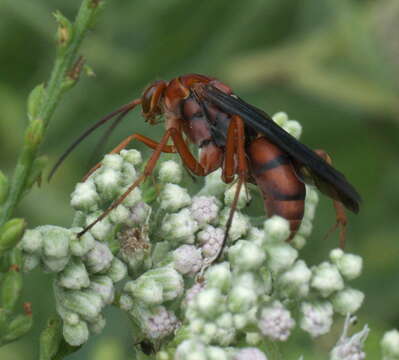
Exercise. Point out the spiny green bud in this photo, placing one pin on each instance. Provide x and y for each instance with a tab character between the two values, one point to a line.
35	101
34	133
64	31
10	233
4	186
50	338
18	327
11	288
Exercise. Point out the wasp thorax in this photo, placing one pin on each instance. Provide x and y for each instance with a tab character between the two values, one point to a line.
151	99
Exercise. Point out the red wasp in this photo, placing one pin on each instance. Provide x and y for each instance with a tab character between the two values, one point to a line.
237	137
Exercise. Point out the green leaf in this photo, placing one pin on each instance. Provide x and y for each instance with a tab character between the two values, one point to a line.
4	187
51	338
10	233
18	327
11	288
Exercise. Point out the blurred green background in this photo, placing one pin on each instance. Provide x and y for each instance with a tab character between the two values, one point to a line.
331	64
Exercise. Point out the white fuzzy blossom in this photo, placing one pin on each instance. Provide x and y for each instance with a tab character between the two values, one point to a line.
250	354
390	345
159	323
211	240
170	172
316	318
347	301
326	279
204	209
187	259
350	347
174	197
276	322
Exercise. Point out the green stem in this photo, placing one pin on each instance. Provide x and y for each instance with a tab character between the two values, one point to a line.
66	54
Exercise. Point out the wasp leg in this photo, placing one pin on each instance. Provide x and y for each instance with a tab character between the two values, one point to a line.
147	172
147	141
341	218
235	152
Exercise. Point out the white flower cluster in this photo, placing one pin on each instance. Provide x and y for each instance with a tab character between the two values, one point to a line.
168	246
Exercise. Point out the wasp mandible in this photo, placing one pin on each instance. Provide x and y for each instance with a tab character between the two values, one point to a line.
237	137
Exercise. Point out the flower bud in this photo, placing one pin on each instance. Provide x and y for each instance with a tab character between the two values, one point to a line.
179	227
326	279
117	271
76	335
98	325
241	299
120	215
101	229
276	229
174	197
158	323
294	282
108	183
53	264
243	198
134	197
55	241
82	245
99	258
190	350
204	209
187	259
30	262
214	185
390	345
217	353
276	322
239	226
349	265
132	156
32	241
280	118
347	301
126	302
103	286
34	133
170	172
74	276
246	256
85	302
209	302
294	128
219	276
256	236
317	318
112	161
281	256
250	354
69	317
211	239
85	197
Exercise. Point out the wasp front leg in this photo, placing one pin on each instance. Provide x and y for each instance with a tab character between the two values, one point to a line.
341	218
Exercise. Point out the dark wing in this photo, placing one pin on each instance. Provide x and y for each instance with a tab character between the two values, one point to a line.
327	179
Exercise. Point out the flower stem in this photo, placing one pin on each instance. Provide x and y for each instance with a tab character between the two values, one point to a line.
61	79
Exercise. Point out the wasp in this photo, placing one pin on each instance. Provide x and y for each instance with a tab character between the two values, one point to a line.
237	137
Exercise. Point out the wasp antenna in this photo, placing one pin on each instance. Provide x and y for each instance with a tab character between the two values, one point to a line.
122	110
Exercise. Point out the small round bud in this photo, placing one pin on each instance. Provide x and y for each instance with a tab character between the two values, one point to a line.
55	241
112	161
81	246
281	256
159	323
204	209
30	262
276	322
74	276
208	302
117	271
246	256
317	318
294	128
120	215
219	276
187	259
390	345
99	258
214	185
326	279
347	301
179	227
280	118
132	156
190	350
276	229
243	198
134	197
211	240
170	172
174	197
76	335
85	197
241	299
140	213
32	241
103	286
98	325
101	229
239	226
250	354
349	265
126	302
108	183
295	281
149	291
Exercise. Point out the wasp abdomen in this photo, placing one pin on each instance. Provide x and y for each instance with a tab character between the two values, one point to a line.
273	172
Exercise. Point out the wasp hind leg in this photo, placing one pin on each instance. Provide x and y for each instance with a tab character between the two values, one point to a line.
340	215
